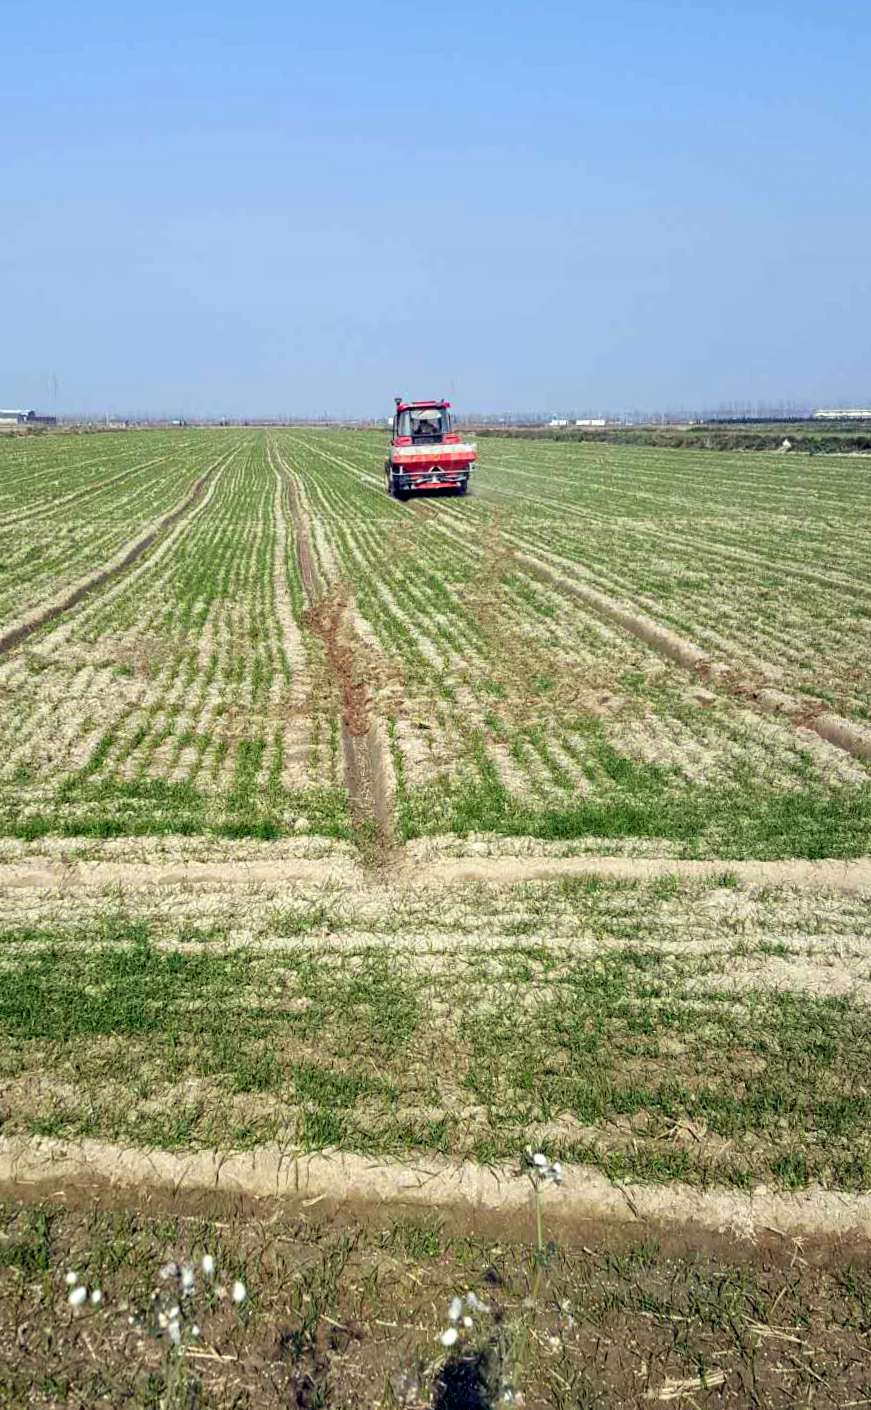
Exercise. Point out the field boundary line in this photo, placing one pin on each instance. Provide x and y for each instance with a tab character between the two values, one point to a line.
807	713
851	876
124	559
270	1172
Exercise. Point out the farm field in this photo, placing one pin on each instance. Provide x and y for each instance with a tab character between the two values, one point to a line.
349	848
608	648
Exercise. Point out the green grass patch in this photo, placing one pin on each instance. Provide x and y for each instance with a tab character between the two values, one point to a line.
611	1057
644	802
154	807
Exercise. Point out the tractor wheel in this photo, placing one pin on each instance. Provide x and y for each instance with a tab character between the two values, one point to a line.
388	483
462	489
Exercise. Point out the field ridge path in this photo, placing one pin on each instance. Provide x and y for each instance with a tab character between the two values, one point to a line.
852	875
273	1172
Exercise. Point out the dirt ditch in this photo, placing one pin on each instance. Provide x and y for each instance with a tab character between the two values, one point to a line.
329	616
22	630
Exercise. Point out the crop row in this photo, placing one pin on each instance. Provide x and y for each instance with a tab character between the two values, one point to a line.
41	476
763	560
181	696
70	526
518	709
194	691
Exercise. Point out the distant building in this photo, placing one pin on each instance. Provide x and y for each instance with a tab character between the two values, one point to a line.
591	421
557	422
853	414
25	418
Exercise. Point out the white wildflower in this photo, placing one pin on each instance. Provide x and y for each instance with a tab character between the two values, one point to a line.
195	1331
78	1296
467	1321
238	1292
542	1169
449	1337
71	1279
455	1309
169	1270
475	1304
208	1265
175	1333
97	1296
187	1278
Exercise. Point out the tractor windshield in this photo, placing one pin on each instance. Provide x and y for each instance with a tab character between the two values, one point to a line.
425	423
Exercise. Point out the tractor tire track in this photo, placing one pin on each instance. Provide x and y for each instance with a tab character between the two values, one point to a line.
365	753
15	635
802	713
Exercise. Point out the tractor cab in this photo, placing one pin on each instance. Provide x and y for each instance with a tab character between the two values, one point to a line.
422	423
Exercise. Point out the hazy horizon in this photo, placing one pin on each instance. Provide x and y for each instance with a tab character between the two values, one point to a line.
733	411
648	206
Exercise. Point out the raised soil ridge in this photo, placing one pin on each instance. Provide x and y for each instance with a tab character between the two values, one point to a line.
272	1173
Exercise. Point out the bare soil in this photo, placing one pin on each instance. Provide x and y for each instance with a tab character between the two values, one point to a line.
345	1306
433	1182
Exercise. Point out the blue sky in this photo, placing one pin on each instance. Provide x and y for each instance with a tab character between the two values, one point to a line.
275	208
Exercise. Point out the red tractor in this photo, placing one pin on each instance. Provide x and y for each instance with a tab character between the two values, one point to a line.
425	452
